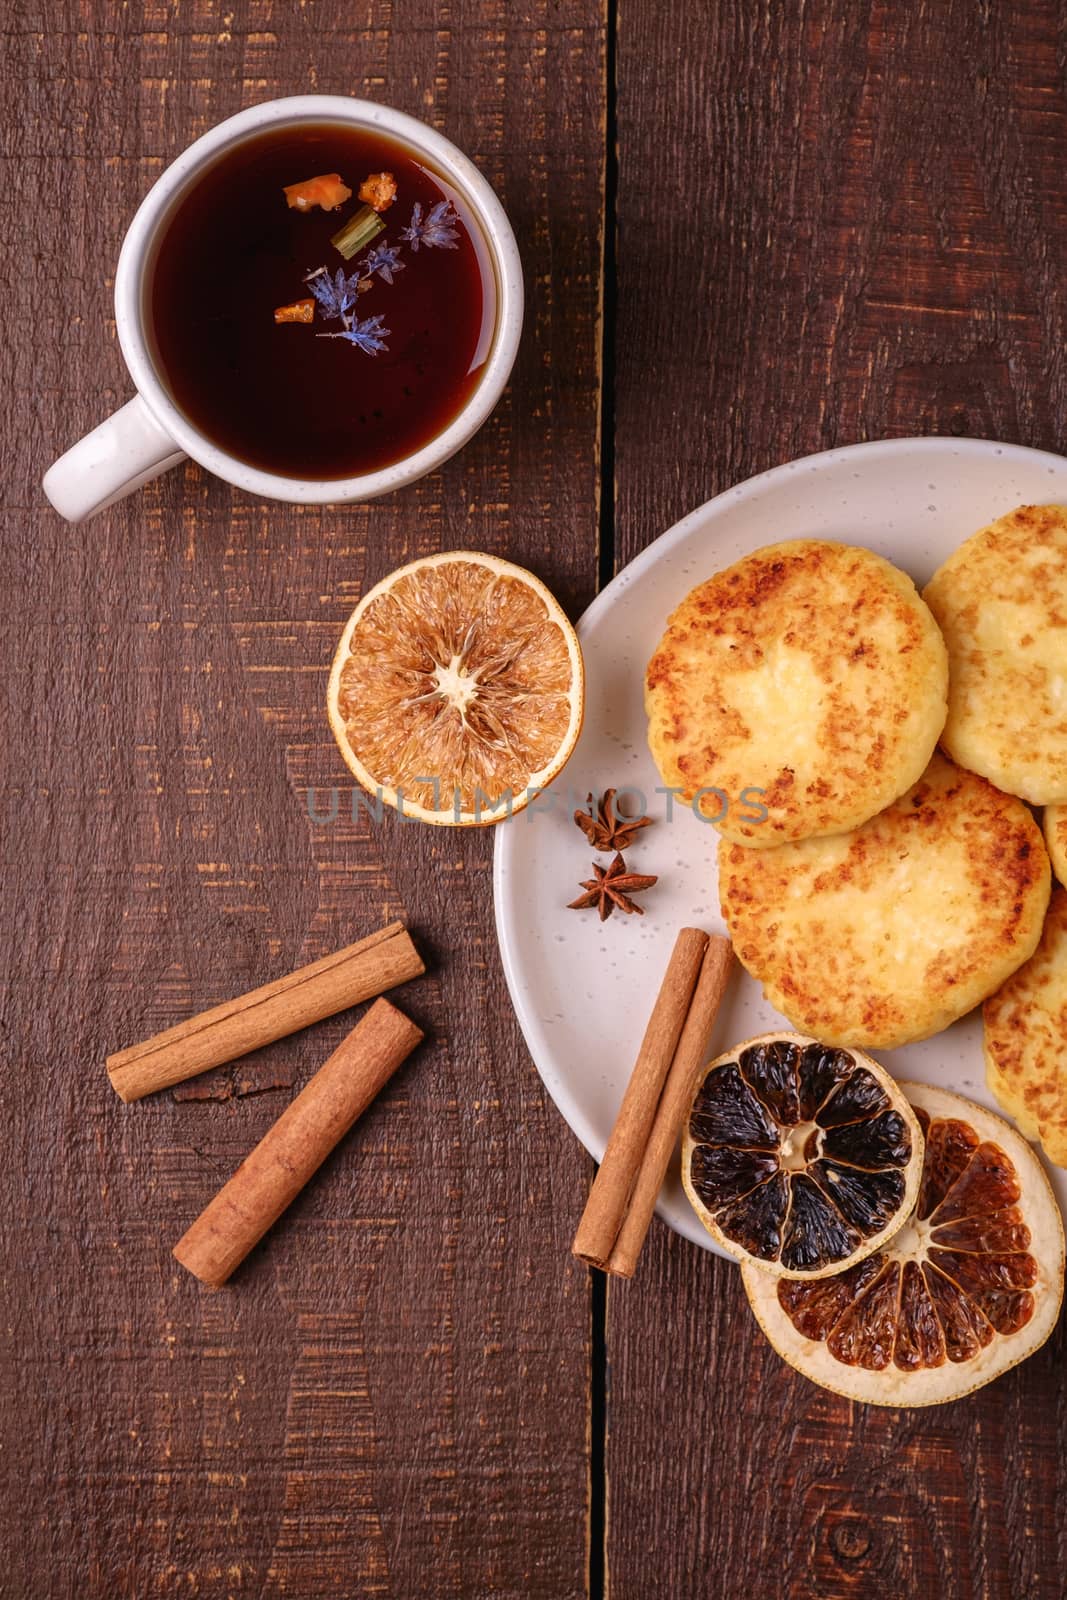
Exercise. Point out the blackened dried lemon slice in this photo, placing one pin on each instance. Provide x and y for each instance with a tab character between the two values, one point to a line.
798	1157
969	1287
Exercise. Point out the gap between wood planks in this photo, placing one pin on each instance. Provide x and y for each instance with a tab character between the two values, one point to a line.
598	1296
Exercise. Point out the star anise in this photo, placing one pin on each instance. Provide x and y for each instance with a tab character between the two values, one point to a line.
607	830
610	887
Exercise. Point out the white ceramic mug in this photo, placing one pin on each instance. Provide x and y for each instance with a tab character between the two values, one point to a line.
150	433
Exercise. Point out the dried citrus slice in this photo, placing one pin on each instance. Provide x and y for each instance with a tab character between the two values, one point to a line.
457	689
969	1287
799	1157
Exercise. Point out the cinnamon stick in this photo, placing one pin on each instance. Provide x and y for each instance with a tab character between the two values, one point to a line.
338	981
689	1057
271	1177
610	1193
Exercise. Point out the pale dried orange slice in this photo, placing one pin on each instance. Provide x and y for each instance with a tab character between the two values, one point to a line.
457	690
970	1286
799	1157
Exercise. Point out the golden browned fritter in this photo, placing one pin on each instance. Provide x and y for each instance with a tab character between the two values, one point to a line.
1001	602
807	682
889	933
1026	1038
1054	825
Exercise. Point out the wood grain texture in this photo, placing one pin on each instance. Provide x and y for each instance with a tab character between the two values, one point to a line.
841	222
391	1397
835	222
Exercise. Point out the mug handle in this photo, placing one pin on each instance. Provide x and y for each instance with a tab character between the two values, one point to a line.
124	452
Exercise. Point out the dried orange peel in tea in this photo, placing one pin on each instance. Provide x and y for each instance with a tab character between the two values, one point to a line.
299	311
969	1287
327	190
378	190
799	1157
457	689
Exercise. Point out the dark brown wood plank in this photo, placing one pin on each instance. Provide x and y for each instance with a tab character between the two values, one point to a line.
836	222
391	1398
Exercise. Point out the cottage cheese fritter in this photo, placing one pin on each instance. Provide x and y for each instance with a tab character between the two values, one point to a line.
807	682
887	934
1001	603
1026	1038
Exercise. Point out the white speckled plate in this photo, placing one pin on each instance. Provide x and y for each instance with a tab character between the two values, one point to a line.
583	989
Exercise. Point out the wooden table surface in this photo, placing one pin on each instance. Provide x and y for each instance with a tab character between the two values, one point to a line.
748	233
